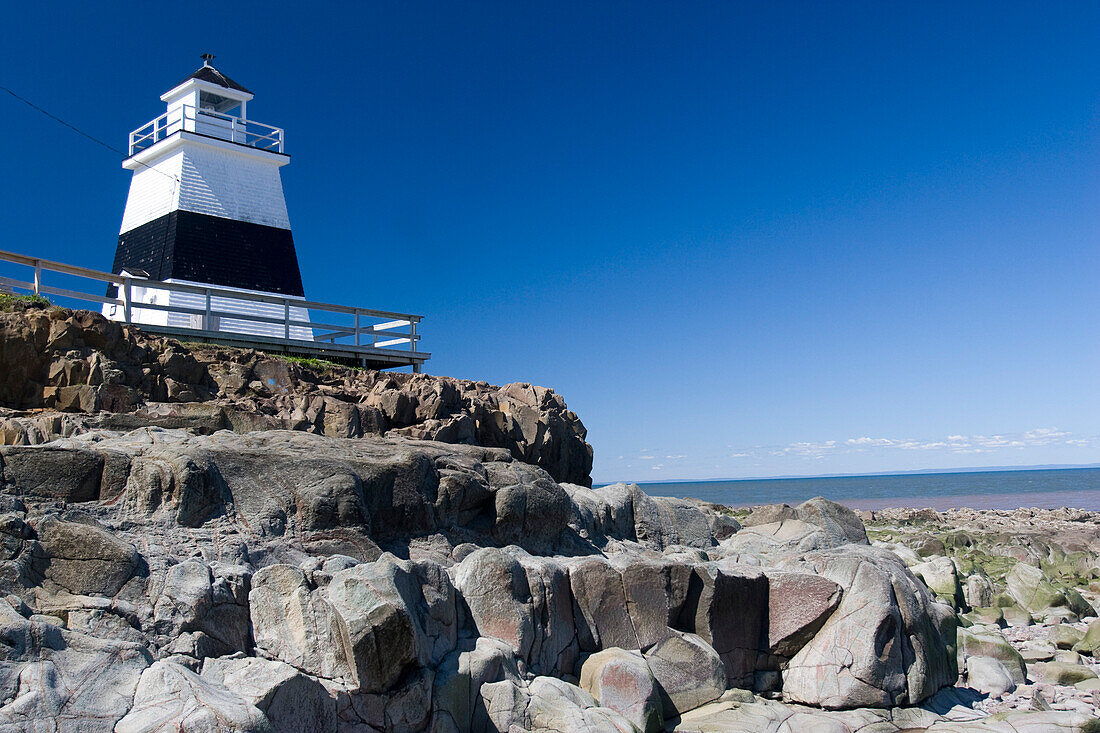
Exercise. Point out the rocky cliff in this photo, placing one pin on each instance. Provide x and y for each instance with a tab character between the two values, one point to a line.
186	562
116	377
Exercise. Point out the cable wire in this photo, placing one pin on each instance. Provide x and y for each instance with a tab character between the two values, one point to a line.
78	131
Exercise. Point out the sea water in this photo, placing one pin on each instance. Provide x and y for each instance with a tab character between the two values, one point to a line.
1042	488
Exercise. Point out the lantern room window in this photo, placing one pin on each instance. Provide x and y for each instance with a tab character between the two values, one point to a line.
209	102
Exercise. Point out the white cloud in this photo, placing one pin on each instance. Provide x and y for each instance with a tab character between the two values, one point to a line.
959	444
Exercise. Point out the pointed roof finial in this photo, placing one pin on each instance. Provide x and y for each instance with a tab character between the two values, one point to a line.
207	58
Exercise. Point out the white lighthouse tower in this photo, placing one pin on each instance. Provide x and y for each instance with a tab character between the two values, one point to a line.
206	207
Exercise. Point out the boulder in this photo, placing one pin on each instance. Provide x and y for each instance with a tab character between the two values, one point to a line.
990	616
941	577
460	677
887	644
171	697
1066	637
1065	673
657	522
727	606
768	514
292	624
554	646
545	705
1090	642
293	702
621	680
390	619
83	558
603	618
989	676
1037	650
987	643
978	591
840	523
533	511
688	671
1033	591
495	588
210	599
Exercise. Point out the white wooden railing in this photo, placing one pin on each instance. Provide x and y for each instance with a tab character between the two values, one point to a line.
367	335
207	122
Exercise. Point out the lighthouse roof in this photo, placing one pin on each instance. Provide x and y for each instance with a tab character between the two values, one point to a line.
209	74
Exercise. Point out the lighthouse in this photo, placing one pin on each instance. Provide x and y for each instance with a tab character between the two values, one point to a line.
206	208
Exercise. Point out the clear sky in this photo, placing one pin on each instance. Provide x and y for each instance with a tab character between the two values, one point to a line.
740	238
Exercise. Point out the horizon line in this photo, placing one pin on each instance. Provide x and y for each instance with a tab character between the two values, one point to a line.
910	472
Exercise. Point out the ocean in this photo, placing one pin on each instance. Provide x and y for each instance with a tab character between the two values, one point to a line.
1042	488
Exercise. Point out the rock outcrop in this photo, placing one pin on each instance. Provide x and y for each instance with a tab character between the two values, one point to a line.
89	372
405	584
206	539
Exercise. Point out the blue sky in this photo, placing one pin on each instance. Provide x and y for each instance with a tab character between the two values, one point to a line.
742	239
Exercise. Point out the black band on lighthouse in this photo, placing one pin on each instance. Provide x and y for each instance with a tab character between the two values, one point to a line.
201	248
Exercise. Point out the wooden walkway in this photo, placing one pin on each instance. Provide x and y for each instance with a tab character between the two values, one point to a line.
348	335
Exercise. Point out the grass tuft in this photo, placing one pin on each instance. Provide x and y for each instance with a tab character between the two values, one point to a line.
12	303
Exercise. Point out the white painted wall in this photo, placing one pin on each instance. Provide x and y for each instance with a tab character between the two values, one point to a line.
210	181
154	192
232	185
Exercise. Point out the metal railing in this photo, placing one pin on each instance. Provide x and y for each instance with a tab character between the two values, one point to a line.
207	122
367	335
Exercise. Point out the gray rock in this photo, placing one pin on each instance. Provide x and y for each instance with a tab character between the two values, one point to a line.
292	701
942	578
837	520
51	472
798	605
986	642
989	675
621	680
293	624
59	680
978	591
495	588
460	677
554	646
603	618
83	558
769	514
545	705
689	672
388	622
727	607
171	697
887	644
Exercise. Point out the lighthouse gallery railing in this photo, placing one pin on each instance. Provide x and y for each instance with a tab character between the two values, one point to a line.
207	122
370	336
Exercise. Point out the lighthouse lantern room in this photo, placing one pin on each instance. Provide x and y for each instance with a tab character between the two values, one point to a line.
206	207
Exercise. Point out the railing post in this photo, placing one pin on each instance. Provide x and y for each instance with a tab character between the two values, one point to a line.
412	334
126	295
37	276
356	326
286	318
208	322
